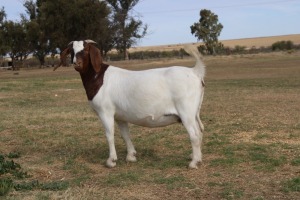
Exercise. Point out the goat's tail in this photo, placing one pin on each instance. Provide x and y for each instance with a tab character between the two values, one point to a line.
199	67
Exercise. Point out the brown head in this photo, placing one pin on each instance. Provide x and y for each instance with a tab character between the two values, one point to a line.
83	55
87	60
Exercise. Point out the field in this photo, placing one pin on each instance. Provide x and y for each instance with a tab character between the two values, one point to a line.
251	145
246	42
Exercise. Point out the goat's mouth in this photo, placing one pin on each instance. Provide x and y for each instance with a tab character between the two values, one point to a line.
77	66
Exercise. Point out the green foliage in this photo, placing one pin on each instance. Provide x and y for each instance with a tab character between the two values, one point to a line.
5	186
239	48
282	45
53	24
63	21
128	28
140	55
10	169
14	155
13	40
54	186
208	29
31	185
9	166
26	185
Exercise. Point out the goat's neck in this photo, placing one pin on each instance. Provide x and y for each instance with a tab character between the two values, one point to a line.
92	81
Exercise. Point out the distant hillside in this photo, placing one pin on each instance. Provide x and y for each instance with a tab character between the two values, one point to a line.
247	42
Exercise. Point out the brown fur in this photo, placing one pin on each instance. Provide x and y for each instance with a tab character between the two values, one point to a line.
89	65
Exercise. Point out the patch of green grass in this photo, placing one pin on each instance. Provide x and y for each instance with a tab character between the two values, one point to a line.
264	156
12	170
292	185
32	185
75	167
122	179
11	167
173	161
172	182
225	162
229	192
24	186
55	185
43	196
14	155
79	180
215	142
6	184
231	155
258	198
260	136
296	161
149	158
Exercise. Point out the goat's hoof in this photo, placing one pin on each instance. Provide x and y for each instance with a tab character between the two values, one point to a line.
199	159
131	157
193	165
110	163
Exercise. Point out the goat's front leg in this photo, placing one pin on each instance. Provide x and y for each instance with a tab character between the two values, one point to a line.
108	123
123	126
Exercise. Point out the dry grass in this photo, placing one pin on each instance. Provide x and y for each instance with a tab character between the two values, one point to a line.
251	143
247	42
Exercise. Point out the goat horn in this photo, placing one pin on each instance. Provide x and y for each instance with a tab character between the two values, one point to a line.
90	41
70	43
57	66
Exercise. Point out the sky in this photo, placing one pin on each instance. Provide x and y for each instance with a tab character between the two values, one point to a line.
169	21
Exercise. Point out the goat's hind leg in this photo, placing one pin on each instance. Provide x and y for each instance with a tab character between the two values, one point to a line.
195	134
131	153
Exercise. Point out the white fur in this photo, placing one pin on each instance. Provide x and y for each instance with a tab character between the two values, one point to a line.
77	47
151	98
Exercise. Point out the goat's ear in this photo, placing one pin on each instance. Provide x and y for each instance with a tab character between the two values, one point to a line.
96	58
63	58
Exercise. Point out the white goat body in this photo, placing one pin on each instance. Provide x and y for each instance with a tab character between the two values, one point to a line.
150	98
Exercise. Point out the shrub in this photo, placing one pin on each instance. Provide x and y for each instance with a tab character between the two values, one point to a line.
282	45
5	185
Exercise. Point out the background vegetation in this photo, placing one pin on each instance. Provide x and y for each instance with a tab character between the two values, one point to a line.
48	26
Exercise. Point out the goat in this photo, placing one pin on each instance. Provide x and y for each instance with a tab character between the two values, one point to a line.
149	98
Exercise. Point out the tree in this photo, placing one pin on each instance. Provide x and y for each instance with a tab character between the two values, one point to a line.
3	49
129	29
208	29
38	42
66	20
15	41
